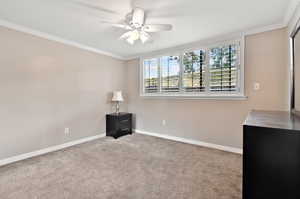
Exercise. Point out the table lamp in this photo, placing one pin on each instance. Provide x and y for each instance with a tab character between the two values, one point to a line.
117	97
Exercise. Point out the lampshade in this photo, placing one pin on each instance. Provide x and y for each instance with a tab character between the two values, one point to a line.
117	96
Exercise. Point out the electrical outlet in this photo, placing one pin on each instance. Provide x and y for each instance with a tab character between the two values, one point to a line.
256	86
164	122
67	131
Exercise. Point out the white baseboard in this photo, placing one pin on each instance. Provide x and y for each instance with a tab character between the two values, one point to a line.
190	141
48	150
83	140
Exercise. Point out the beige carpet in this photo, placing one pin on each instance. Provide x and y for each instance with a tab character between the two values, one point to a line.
132	167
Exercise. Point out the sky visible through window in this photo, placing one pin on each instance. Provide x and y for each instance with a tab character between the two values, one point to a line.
171	62
151	69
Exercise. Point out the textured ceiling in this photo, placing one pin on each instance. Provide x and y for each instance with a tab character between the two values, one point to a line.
192	20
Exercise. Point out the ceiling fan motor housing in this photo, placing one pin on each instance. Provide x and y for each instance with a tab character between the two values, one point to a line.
138	18
137	30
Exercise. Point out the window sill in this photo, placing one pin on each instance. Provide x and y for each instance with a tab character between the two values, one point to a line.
196	96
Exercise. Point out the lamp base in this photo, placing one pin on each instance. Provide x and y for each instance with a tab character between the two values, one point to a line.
118	108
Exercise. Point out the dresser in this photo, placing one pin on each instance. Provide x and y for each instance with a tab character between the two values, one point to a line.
118	125
271	156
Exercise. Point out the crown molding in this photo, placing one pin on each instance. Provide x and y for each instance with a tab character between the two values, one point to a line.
220	38
289	14
264	29
290	11
50	37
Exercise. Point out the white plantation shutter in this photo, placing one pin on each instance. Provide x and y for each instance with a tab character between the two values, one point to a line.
206	72
223	67
193	74
151	75
170	73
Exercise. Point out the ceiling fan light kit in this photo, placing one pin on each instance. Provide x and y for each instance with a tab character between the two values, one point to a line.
132	36
138	30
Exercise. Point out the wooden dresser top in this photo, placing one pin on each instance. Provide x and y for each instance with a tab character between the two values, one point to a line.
273	119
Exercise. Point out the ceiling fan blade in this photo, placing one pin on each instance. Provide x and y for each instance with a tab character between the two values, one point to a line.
118	25
126	35
124	26
157	27
138	17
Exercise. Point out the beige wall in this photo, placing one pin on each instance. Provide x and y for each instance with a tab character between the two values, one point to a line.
219	121
46	86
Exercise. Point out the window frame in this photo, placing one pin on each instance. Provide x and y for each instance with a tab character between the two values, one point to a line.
207	94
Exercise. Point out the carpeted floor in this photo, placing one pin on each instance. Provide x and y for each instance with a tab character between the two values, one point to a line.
132	167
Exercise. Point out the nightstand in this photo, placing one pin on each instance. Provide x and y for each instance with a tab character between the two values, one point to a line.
118	125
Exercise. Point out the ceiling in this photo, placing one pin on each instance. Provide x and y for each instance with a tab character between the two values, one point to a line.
192	20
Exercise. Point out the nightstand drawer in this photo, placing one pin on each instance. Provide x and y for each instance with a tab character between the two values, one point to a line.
124	125
124	118
123	132
124	121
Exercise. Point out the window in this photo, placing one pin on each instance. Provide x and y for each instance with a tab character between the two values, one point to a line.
193	75
151	76
170	68
223	68
214	71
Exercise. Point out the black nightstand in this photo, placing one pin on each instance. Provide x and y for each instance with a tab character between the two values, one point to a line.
118	124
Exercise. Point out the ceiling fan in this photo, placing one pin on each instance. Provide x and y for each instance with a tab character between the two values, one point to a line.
137	29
